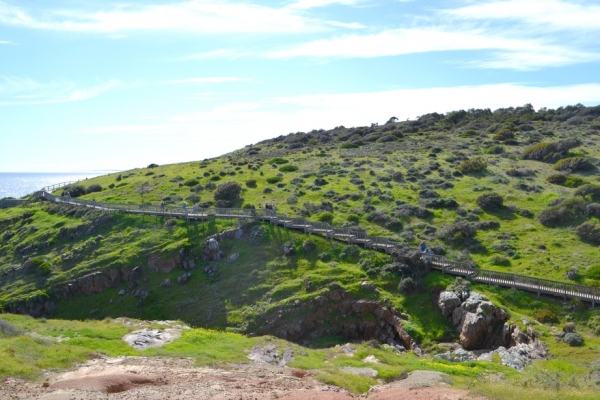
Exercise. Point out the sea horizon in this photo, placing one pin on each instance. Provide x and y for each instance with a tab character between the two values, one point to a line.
19	184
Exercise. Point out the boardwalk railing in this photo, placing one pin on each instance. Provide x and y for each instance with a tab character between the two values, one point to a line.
356	235
5	203
56	186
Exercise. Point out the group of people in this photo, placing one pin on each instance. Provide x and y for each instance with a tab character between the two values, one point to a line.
426	250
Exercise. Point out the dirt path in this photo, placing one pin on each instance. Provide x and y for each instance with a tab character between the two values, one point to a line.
177	379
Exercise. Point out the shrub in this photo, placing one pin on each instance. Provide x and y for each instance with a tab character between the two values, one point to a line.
593	209
440	203
518	172
321	182
550	152
499	260
9	329
215	178
118	178
589	231
191	182
228	191
397	176
325	217
568	211
43	266
278	160
111	186
503	134
495	149
459	286
565	180
475	164
457	231
593	272
545	316
288	168
353	218
573	164
94	188
588	190
349	146
193	198
486	225
210	186
292	199
274	179
490	201
251	183
75	191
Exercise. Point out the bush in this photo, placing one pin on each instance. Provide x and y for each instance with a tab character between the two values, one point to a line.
593	272
349	146
215	178
588	190
353	218
504	134
568	211
589	231
111	186
292	199
457	231
193	198
278	160
191	182
519	172
550	152
251	183
118	178
274	179
75	191
545	316
288	168
566	180
94	188
440	203
228	191
490	201
495	149
210	186
459	286
573	164
475	164
325	217
499	260
43	266
9	329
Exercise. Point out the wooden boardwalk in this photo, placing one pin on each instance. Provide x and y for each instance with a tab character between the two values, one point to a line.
350	235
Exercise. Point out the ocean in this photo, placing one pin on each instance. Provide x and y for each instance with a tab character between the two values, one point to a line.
19	184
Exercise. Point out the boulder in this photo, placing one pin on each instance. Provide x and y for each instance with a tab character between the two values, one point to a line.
165	283
289	249
163	265
181	279
211	250
367	286
458	355
447	302
573	339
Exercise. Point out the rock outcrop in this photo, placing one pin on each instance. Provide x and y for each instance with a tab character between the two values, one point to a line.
36	306
337	313
479	323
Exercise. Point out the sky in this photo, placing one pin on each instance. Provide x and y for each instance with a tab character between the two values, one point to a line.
117	85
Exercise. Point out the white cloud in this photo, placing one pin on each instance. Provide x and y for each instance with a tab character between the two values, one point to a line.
5	42
26	91
549	14
507	52
209	17
306	4
214	79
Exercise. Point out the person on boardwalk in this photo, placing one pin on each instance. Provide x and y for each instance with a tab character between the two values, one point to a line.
253	210
423	247
430	254
68	197
195	208
185	208
162	206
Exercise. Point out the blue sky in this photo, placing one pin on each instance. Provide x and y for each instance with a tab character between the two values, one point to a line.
116	85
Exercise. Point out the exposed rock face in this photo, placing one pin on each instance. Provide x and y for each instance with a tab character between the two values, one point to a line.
157	264
36	306
479	322
211	250
484	326
337	313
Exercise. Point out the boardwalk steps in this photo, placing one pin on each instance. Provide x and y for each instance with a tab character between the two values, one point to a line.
351	235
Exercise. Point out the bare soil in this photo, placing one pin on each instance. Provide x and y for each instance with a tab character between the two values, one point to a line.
167	378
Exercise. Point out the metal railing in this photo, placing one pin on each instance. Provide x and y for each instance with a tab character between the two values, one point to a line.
349	235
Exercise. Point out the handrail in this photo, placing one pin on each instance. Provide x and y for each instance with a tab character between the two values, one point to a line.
347	234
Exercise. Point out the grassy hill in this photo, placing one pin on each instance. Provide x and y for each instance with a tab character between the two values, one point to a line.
513	190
